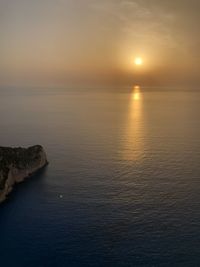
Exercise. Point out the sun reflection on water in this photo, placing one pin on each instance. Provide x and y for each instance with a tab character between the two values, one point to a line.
136	94
133	148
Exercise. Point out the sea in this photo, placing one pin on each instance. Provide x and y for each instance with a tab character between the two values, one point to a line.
122	187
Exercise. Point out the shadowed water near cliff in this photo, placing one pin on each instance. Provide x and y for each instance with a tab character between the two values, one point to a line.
123	185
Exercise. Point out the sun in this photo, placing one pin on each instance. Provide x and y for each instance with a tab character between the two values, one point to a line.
138	61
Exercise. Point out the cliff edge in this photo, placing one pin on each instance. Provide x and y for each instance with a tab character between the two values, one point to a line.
16	164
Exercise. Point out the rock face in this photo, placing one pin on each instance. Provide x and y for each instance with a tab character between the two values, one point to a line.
16	164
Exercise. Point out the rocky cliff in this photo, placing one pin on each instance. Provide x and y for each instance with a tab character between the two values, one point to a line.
16	164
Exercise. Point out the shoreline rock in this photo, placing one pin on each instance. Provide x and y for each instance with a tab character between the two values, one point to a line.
17	164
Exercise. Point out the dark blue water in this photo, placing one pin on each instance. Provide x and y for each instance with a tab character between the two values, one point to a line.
123	184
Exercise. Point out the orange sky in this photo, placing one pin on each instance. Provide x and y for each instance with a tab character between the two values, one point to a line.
64	42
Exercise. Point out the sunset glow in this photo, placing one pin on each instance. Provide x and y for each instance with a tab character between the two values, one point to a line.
138	61
99	109
75	42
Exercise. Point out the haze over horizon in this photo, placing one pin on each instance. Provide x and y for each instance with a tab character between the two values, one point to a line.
62	42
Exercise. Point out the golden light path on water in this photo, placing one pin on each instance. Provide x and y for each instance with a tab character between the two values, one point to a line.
133	146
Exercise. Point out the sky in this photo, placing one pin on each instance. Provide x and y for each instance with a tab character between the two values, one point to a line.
61	42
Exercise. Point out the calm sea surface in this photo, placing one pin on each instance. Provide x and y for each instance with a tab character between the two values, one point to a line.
123	184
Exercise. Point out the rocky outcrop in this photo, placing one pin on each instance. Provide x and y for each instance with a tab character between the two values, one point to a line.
16	164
